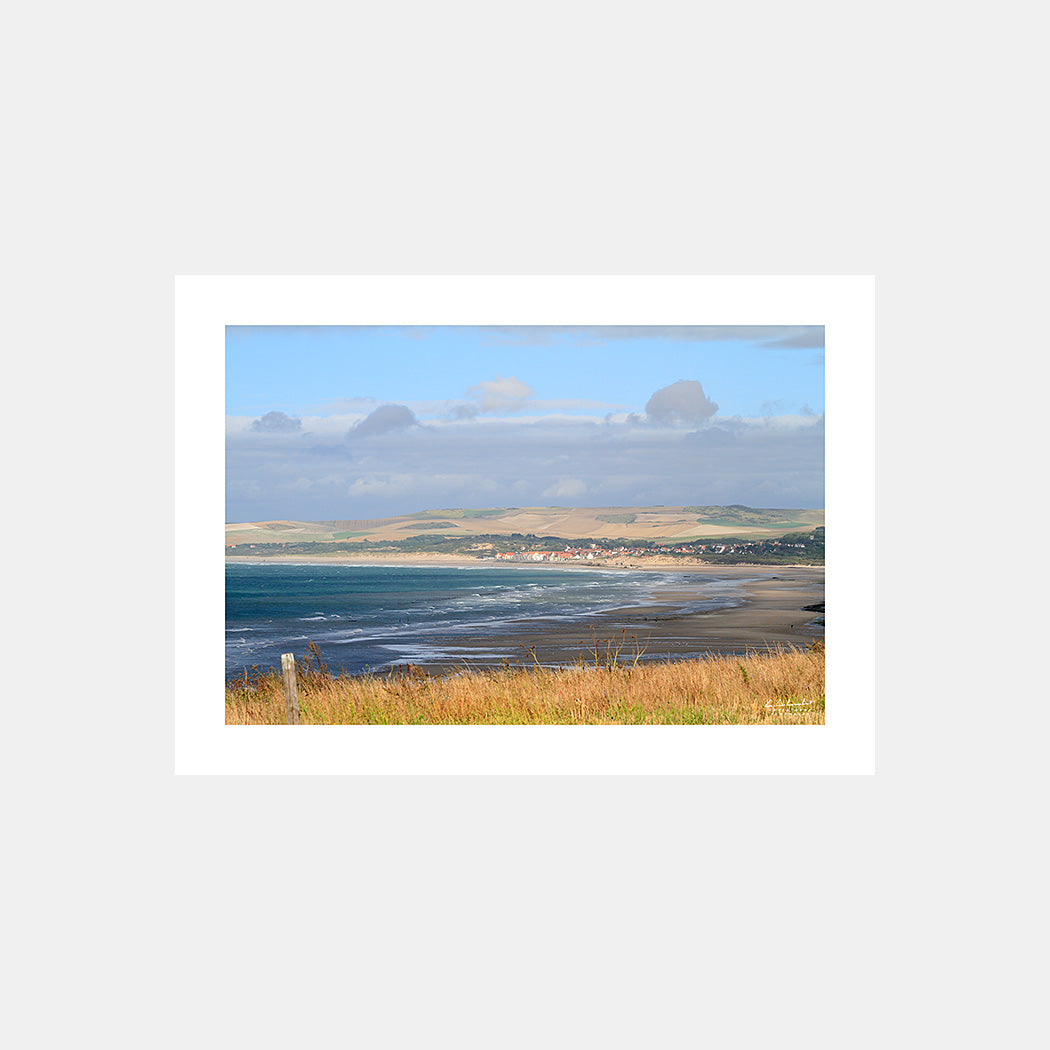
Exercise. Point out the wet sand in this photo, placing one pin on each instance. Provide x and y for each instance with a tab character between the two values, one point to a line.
772	614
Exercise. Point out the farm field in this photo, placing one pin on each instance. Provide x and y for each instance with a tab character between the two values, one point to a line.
635	523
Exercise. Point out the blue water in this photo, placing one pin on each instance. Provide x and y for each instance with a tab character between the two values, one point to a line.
368	617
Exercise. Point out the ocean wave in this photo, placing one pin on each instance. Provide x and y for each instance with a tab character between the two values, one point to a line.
362	615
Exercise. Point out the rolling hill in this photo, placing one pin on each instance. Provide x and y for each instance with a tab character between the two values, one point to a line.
629	523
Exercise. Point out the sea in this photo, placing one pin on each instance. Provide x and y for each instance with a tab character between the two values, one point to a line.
368	618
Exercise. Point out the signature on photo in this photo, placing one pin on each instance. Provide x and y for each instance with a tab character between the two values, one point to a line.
780	702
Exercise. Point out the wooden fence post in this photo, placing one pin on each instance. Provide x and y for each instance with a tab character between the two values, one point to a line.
291	694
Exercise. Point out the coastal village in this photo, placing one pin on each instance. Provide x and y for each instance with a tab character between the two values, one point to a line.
419	536
592	552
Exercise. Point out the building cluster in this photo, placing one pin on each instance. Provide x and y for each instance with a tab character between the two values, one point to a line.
740	548
591	553
568	554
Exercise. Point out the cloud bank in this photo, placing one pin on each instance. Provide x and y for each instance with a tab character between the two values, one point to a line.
389	462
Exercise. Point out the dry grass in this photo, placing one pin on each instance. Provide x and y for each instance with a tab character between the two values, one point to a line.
782	688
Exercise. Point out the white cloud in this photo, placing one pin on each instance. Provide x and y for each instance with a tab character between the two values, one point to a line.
684	401
502	394
277	423
383	420
566	488
381	485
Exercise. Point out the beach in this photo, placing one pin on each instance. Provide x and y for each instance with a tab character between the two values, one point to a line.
773	614
759	607
656	561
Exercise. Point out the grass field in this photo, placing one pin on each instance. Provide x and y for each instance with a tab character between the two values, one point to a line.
614	688
737	528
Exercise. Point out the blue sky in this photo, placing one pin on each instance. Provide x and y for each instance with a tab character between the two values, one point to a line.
304	370
333	423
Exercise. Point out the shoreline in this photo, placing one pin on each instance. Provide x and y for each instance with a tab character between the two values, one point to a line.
772	613
662	562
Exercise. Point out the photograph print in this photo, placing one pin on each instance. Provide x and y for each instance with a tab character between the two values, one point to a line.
524	525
